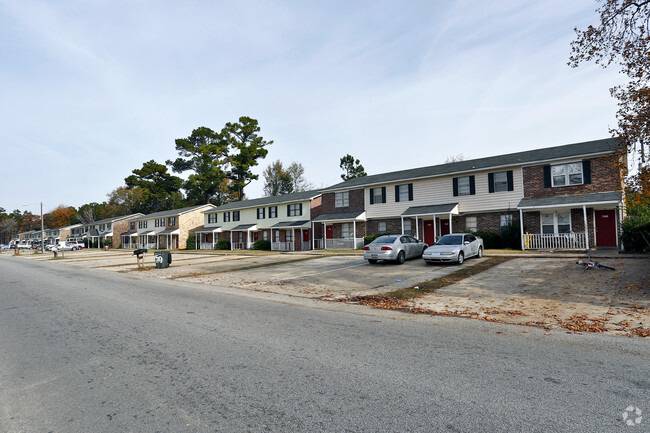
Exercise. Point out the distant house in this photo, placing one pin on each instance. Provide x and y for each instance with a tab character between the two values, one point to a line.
283	220
54	236
563	197
166	229
108	230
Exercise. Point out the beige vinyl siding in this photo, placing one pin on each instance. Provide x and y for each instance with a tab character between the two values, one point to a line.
249	216
439	190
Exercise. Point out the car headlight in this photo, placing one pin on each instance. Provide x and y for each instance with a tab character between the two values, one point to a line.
448	253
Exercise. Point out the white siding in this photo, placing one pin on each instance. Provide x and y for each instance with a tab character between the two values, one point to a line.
249	216
439	190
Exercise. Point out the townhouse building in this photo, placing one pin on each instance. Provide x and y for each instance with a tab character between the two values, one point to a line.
164	230
54	236
107	231
563	197
284	220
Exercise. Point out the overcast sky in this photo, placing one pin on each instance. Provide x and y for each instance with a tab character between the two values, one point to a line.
90	90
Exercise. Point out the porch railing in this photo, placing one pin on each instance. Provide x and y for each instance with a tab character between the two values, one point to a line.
206	246
282	246
562	241
238	246
318	244
343	244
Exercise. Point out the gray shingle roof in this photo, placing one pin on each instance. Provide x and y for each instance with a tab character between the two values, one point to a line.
518	158
173	212
117	218
569	200
429	210
242	227
265	201
344	216
290	224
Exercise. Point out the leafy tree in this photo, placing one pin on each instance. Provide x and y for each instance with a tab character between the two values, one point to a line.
277	180
124	201
297	172
205	153
61	216
90	212
160	189
352	168
8	228
246	147
622	37
455	158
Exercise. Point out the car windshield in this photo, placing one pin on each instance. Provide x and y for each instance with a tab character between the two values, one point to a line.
385	240
450	240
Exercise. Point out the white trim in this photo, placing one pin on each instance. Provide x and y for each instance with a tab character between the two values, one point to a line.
593	214
567	205
555	222
584	213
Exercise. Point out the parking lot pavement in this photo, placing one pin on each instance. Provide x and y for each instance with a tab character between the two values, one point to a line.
334	277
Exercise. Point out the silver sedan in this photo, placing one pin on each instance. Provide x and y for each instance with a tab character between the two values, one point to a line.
393	247
454	248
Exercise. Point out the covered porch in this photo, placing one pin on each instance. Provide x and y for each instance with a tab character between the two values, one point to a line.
240	236
437	220
206	238
129	239
339	231
168	239
571	222
147	240
290	236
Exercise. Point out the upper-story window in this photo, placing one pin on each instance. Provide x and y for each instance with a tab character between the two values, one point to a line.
464	186
159	222
261	213
235	215
567	174
212	218
342	199
132	225
500	181
404	192
171	221
273	212
294	209
378	195
226	217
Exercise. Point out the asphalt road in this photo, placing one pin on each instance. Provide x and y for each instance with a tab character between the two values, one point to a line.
91	351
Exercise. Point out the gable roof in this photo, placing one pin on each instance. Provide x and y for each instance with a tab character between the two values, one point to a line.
571	200
519	158
265	201
173	212
113	219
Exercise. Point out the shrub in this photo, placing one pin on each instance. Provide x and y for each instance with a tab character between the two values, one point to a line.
370	238
511	236
491	240
223	244
636	230
191	242
262	245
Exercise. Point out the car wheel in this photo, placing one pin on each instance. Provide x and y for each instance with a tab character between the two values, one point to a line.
480	252
372	261
461	258
400	258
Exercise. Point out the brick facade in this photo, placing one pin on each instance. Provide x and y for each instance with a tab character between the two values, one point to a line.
606	175
356	203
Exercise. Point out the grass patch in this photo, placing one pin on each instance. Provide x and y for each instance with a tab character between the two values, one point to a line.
396	300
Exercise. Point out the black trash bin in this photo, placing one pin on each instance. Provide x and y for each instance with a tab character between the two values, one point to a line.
162	259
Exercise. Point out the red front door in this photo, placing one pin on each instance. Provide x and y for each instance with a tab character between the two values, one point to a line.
305	236
428	232
605	228
444	227
330	232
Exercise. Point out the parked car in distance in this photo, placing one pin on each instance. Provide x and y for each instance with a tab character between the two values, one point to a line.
454	248
393	247
67	246
78	244
49	247
24	246
4	246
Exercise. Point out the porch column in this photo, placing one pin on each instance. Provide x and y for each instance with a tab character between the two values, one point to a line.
521	228
354	234
248	239
584	213
618	225
435	231
302	239
231	245
450	221
313	238
417	228
593	214
402	225
324	235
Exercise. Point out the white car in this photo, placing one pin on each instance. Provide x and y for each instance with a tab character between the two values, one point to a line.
67	246
454	248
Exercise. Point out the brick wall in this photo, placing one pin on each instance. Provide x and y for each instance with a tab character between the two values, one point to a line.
356	203
316	207
606	175
187	224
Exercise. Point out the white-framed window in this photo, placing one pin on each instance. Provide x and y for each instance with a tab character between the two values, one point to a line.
294	209
235	215
501	181
265	235
288	235
381	227
347	231
505	220
342	199
556	222
273	212
470	224
463	186
226	217
261	213
567	174
408	227
402	192
277	236
171	221
377	195
212	218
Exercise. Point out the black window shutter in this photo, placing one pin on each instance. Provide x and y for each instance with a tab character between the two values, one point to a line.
455	187
547	176
300	208
586	171
372	196
472	188
491	182
511	182
396	192
383	194
410	192
288	210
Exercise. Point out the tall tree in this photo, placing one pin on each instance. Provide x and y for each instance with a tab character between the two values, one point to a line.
352	168
297	173
8	228
246	147
204	153
160	188
277	180
124	201
622	37
61	216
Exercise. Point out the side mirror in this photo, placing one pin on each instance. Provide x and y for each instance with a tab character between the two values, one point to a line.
467	242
